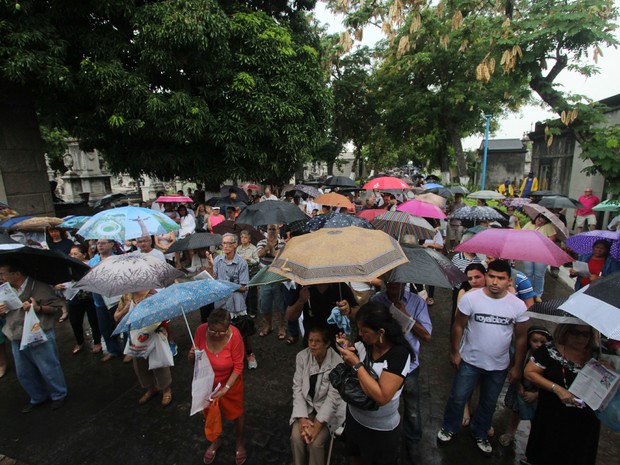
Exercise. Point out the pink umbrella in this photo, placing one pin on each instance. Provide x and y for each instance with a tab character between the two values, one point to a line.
516	244
370	213
173	199
248	185
421	209
386	183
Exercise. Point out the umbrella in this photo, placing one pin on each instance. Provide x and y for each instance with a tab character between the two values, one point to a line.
339	181
476	214
559	201
370	213
397	224
334	200
549	310
126	223
426	266
309	190
224	202
253	187
271	212
174	198
338	255
516	244
131	272
544	193
435	199
175	301
516	202
74	222
598	305
533	210
475	229
336	220
582	243
44	265
492	195
458	190
441	191
266	276
228	226
241	194
196	241
108	199
608	205
36	223
6	224
421	209
6	243
386	182
432	185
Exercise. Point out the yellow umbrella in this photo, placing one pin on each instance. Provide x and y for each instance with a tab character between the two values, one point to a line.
36	223
338	255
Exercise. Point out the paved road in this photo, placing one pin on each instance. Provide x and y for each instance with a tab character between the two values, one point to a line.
101	422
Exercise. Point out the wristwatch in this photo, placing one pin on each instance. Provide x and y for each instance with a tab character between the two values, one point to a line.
357	366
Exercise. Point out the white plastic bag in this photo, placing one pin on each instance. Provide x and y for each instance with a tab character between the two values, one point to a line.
161	355
202	384
32	334
141	341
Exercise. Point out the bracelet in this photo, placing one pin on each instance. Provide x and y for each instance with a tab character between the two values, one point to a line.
227	387
357	366
552	388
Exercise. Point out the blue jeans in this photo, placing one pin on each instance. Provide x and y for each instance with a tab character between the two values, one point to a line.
536	274
39	371
271	294
466	378
412	421
106	327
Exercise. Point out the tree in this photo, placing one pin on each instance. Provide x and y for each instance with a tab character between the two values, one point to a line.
201	89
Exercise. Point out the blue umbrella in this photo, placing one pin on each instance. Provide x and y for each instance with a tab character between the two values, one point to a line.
74	222
336	220
432	185
6	224
174	301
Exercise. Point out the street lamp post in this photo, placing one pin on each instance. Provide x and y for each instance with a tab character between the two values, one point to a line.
486	150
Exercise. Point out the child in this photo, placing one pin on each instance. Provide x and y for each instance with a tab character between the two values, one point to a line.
522	397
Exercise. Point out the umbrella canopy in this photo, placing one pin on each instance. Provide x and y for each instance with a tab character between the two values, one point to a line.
196	241
386	182
334	200
549	310
475	229
492	195
6	224
533	210
174	198
397	224
477	214
336	220
266	276
131	272
36	223
340	181
241	193
517	202
598	305
422	209
338	255
103	201
247	185
224	202
458	190
516	244
174	301
44	265
308	190
608	206
6	243
271	212
435	199
426	266
370	213
228	226
559	201
126	223
544	193
582	243
441	191
74	222
432	185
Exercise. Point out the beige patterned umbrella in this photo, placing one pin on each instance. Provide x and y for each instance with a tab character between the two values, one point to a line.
37	223
533	210
338	255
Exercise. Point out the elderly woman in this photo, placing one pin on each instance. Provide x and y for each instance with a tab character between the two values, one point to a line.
317	406
564	431
536	271
223	344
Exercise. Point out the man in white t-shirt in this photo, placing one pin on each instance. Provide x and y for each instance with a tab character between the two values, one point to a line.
145	245
485	322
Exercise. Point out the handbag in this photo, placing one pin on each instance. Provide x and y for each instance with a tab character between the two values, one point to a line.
245	325
344	379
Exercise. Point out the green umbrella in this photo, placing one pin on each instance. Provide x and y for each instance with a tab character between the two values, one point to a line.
264	276
608	206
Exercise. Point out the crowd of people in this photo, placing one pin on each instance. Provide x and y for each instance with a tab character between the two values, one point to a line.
490	341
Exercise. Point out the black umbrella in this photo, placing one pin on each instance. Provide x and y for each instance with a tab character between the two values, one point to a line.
544	193
241	194
458	190
559	201
443	191
426	266
196	241
308	190
229	202
336	220
6	242
228	226
271	212
108	199
340	181
45	265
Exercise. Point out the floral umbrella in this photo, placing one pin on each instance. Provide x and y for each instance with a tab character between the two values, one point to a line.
74	222
36	223
533	210
336	220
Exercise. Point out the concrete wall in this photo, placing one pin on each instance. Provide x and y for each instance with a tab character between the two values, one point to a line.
502	166
23	174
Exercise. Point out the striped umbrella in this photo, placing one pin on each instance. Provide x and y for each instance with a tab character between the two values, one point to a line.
397	224
370	213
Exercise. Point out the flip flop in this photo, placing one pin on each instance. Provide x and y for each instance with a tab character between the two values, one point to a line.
430	301
291	340
265	332
209	456
96	349
77	349
241	456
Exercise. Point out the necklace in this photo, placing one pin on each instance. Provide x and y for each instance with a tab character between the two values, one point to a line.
217	354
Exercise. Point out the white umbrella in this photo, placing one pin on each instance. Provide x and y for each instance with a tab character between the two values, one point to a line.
491	195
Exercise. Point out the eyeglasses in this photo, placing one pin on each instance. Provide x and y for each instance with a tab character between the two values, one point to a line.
218	333
575	332
228	243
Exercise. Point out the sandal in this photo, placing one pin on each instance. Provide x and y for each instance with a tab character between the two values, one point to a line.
148	395
166	399
430	301
96	349
281	334
265	332
241	456
77	349
209	456
291	340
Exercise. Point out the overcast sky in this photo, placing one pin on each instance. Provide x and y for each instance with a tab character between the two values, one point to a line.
603	85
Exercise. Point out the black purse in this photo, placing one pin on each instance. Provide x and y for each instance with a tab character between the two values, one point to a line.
245	325
344	379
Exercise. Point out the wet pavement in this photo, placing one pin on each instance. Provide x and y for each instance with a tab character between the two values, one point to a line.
101	422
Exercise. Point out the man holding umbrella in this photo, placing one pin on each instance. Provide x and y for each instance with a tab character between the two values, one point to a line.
38	367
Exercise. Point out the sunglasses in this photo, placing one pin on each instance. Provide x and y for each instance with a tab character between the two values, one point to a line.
575	332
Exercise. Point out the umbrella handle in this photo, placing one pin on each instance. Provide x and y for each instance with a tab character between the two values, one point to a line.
188	330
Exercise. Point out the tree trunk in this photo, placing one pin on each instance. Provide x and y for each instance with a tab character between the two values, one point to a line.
461	162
